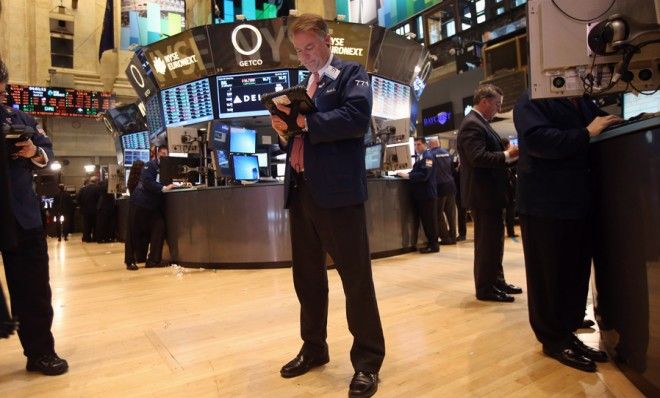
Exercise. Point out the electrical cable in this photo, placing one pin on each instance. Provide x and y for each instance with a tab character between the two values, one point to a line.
584	20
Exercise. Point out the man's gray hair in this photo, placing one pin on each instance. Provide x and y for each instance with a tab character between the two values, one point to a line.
486	91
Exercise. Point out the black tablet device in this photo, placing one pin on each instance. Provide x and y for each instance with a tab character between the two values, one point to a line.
295	98
16	133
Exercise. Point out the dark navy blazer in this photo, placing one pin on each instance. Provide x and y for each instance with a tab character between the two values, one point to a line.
24	201
553	169
443	171
334	143
148	193
422	177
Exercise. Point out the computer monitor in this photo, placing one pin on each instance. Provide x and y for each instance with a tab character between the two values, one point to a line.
302	75
219	137
245	167
154	115
562	37
373	158
187	103
131	155
125	119
437	119
220	161
239	95
242	140
135	140
178	169
391	100
634	104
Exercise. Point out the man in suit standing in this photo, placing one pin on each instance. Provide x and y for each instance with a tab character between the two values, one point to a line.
149	212
325	189
554	206
88	199
425	194
26	258
483	188
446	192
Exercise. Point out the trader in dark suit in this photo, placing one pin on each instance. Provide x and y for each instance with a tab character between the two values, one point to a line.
446	192
64	208
425	193
483	190
325	189
554	205
149	212
88	198
26	261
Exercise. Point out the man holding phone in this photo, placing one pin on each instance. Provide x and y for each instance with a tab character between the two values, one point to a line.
26	262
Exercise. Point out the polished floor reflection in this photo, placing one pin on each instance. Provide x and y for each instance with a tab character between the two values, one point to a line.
175	332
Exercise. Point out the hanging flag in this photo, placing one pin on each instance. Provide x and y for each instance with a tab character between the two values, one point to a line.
108	32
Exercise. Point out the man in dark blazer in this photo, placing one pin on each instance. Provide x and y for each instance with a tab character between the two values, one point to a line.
425	193
88	198
26	261
446	192
483	190
554	205
325	189
149	212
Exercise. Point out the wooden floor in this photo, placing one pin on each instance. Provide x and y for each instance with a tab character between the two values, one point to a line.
175	332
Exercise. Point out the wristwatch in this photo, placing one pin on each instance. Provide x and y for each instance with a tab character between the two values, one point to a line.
39	153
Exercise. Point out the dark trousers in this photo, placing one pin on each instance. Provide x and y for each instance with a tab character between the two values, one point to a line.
447	218
150	232
427	211
510	218
342	233
461	215
557	264
63	227
26	269
488	249
134	252
89	226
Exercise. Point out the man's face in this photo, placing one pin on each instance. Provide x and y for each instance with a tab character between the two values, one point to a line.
163	152
420	146
491	106
312	50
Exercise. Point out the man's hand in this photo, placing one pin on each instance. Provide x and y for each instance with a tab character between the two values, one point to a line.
28	149
168	187
600	123
403	174
513	151
279	126
300	119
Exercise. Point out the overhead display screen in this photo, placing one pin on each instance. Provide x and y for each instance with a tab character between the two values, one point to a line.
240	95
154	115
135	140
187	104
391	100
437	119
53	101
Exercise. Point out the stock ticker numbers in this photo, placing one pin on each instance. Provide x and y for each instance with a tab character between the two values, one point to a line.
47	101
188	103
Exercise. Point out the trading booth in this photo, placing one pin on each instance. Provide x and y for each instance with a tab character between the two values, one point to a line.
200	93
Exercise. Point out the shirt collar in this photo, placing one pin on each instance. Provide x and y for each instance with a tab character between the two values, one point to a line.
480	114
326	66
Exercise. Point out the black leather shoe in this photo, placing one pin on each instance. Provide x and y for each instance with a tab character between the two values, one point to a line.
161	264
50	365
363	384
512	235
496	295
570	357
460	238
448	242
132	267
302	364
427	250
587	323
509	288
586	351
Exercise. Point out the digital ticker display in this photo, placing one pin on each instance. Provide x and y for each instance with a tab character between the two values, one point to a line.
391	100
187	104
154	115
53	101
240	95
135	140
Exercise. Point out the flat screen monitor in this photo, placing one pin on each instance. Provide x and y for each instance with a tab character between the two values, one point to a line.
242	140
633	104
281	169
302	75
437	119
245	167
391	100
373	157
221	163
219	136
178	169
131	155
135	140
125	119
188	103
239	95
263	159
154	115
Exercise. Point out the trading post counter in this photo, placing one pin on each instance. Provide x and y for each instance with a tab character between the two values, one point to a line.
248	227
